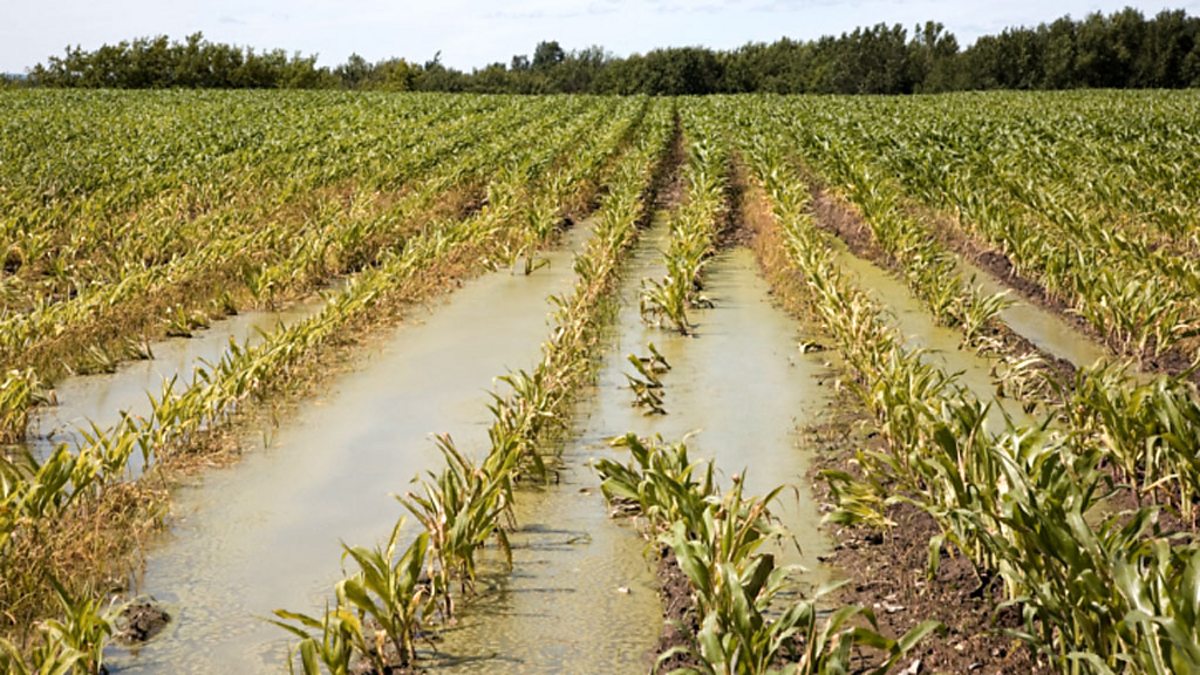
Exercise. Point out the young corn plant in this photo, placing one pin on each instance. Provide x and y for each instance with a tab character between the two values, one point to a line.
666	302
715	538
661	484
378	616
1150	431
978	311
692	233
49	657
80	634
461	509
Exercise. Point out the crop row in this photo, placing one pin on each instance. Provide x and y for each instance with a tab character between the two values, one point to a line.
1150	431
693	227
742	618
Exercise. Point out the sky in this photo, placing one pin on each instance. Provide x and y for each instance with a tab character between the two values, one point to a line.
474	33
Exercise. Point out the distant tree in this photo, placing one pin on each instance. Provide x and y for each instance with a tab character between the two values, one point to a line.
934	59
394	75
547	55
354	72
1058	62
1122	49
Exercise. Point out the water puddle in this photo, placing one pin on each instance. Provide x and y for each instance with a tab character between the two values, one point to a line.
744	387
1048	331
919	330
265	533
582	596
101	398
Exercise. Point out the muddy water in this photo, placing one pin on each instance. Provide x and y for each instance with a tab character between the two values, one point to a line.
581	598
745	390
100	399
265	533
919	330
1045	329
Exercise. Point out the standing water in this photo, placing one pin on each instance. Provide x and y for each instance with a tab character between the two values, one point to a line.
101	399
919	331
1048	331
266	533
581	597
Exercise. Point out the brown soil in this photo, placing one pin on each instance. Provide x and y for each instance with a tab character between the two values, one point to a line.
141	621
888	572
679	616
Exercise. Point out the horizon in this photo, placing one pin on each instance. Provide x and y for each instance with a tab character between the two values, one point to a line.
620	27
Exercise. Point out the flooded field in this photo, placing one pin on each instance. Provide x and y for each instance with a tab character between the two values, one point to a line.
262	535
629	386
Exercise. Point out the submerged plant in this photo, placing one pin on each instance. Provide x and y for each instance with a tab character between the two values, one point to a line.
646	385
461	509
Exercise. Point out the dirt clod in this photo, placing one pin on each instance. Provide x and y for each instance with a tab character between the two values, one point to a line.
141	621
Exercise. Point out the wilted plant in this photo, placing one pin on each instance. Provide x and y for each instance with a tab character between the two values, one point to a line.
645	383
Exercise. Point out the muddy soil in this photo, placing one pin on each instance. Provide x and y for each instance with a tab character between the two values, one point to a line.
141	621
889	573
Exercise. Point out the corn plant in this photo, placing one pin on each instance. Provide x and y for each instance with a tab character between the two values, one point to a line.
85	628
18	392
378	614
461	509
1150	431
715	538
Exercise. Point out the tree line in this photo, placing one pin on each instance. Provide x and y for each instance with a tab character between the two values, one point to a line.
1124	49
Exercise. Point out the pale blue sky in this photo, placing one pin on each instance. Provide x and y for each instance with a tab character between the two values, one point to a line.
472	33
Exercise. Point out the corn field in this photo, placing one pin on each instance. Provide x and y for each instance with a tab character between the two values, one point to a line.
1056	496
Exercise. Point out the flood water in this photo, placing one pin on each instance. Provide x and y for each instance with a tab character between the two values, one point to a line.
1047	330
745	391
919	330
100	399
266	533
582	594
